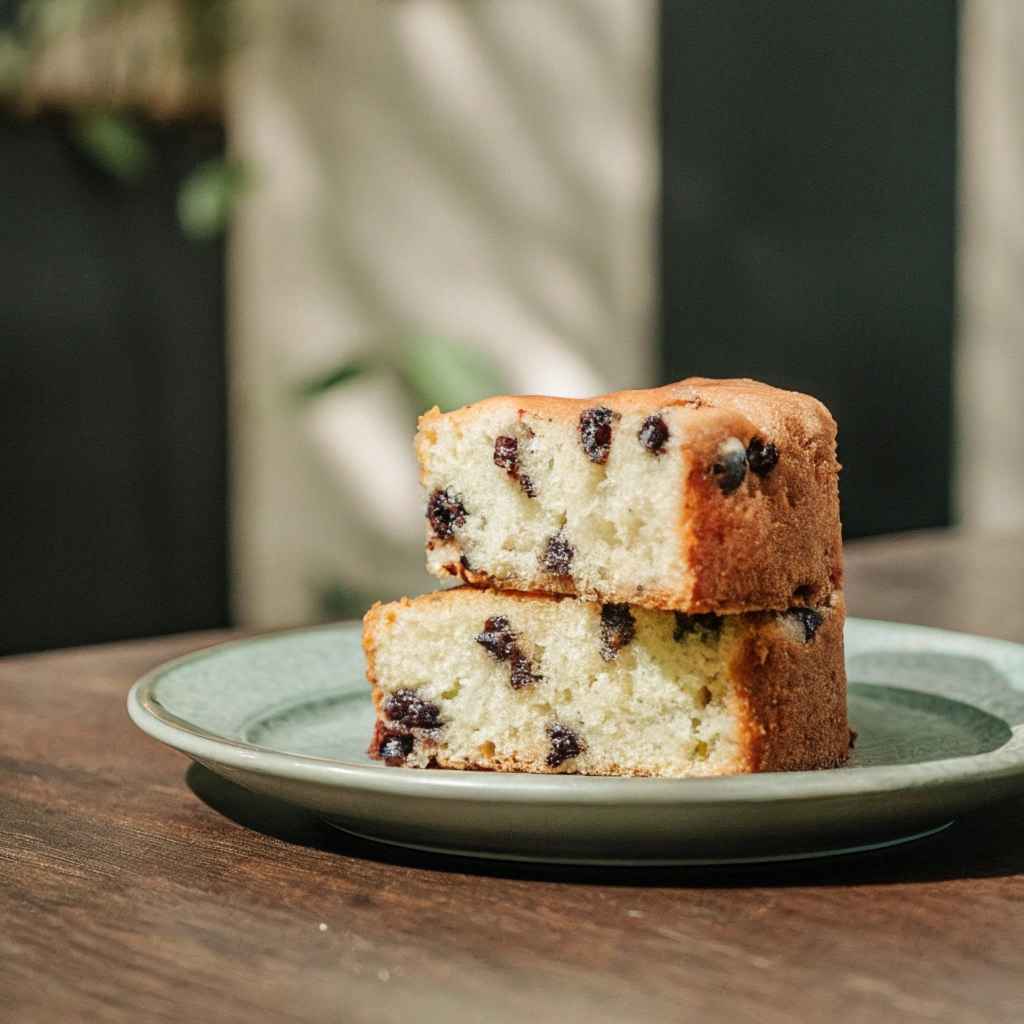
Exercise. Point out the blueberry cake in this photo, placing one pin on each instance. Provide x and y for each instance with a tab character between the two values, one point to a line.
702	496
507	681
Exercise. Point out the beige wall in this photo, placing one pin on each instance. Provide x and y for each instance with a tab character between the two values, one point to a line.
990	370
484	171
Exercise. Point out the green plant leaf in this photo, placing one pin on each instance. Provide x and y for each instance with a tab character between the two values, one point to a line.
208	196
115	143
446	373
339	374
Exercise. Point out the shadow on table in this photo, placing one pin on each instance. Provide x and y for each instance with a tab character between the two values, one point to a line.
986	844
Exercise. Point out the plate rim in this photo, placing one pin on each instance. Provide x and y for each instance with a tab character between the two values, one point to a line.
1005	763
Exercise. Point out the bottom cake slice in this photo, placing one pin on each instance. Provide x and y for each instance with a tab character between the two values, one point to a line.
483	679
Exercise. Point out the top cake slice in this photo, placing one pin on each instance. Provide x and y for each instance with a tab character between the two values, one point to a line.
701	496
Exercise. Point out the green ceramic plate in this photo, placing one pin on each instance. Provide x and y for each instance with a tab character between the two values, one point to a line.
940	717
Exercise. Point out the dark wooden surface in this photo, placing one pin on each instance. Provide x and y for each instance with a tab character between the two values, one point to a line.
134	887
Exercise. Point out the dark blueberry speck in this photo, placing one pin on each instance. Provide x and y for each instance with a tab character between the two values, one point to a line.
411	710
522	673
395	747
762	456
497	638
506	454
704	624
445	512
653	434
618	627
564	745
500	642
596	433
730	468
809	619
557	556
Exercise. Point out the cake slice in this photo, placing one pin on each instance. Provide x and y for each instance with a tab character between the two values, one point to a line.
469	678
700	496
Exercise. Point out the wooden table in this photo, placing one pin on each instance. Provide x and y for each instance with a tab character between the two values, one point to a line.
134	887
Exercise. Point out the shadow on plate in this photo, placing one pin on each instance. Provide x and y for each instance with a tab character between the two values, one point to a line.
986	844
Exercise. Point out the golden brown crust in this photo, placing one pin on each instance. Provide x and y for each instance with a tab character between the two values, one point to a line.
532	767
792	695
757	401
773	543
371	632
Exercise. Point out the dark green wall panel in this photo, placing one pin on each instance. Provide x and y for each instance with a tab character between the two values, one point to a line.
112	419
807	233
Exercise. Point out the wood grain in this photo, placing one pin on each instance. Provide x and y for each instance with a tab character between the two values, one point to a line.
135	887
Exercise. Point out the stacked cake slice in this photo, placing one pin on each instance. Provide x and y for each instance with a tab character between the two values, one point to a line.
651	587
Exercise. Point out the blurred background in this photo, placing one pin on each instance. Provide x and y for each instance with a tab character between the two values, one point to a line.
244	242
